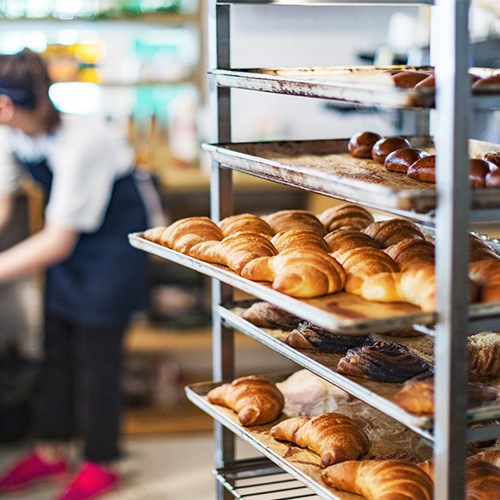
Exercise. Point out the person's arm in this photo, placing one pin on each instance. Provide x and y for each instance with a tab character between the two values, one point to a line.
51	245
5	210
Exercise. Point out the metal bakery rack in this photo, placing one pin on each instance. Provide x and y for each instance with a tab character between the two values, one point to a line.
322	167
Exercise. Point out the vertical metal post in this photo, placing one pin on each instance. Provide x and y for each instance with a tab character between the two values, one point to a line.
452	137
221	205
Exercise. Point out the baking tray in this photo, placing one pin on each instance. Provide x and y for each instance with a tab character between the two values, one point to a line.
368	85
339	311
326	167
377	394
306	394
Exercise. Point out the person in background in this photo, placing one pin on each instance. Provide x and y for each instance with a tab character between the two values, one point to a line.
94	279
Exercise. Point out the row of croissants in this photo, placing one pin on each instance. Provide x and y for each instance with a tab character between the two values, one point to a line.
341	444
343	248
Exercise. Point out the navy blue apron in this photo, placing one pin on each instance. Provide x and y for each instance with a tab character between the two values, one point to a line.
105	279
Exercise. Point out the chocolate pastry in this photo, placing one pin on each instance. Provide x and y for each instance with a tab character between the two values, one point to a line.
309	336
385	146
382	361
361	144
417	395
401	159
268	315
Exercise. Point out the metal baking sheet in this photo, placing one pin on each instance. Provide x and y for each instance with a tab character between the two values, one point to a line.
338	312
306	394
377	394
326	167
368	85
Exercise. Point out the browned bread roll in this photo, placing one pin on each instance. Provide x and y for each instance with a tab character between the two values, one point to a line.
478	170
492	179
387	145
424	169
345	216
408	79
361	263
380	479
391	231
257	400
343	240
360	145
484	355
488	81
234	251
309	336
304	220
183	234
333	436
296	238
417	395
244	222
401	159
411	253
492	157
268	315
382	361
427	82
299	273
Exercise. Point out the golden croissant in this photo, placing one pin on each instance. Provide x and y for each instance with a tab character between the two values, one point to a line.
380	479
304	220
244	222
412	253
296	238
234	251
255	399
348	239
333	436
298	273
389	232
345	216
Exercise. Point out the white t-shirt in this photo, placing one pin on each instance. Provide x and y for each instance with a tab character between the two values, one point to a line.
85	157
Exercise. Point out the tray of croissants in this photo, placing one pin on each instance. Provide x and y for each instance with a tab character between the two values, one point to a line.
392	172
341	269
338	446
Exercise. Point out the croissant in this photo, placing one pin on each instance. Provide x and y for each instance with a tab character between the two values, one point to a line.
333	436
486	273
345	216
309	336
491	456
417	396
299	273
183	234
389	232
380	479
383	361
304	220
245	222
348	239
268	315
296	238
480	249
154	234
256	399
234	251
412	252
360	263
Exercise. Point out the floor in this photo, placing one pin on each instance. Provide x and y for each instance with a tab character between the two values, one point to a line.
161	467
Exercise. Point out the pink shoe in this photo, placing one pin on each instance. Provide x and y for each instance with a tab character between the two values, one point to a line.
91	481
30	470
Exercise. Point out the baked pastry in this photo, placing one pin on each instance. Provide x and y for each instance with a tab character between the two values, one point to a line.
480	249
387	145
333	436
299	273
391	231
408	79
484	355
491	456
487	81
244	222
345	216
382	361
380	479
183	234
267	315
255	399
417	395
234	251
427	82
361	263
297	238
478	170
486	273
401	159
412	253
424	169
492	179
360	145
304	220
309	336
154	234
492	157
343	240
